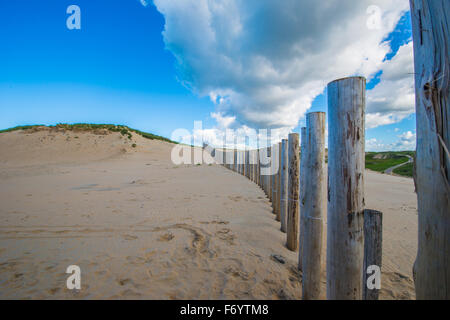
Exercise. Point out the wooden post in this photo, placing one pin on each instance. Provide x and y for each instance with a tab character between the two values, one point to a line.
250	165
283	184
255	166
257	178
315	206
240	162
345	239
278	184
257	173
273	187
293	192
275	181
243	162
303	173
373	230
247	164
235	161
224	157
269	177
430	25
252	168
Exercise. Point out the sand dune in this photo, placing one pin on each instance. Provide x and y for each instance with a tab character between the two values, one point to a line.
141	227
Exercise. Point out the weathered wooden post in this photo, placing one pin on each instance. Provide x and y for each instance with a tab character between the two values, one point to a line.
247	164
303	173
293	192
258	169
241	158
283	183
431	35
239	161
255	166
275	171
266	177
373	231
269	177
224	157
244	159
314	206
235	160
278	183
345	239
273	187
250	165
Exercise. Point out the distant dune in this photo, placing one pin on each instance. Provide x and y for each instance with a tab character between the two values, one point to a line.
141	227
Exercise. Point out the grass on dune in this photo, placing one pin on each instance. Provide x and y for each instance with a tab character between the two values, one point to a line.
124	130
406	170
380	161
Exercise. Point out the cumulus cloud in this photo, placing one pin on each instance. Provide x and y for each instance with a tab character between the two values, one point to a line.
405	141
393	98
262	62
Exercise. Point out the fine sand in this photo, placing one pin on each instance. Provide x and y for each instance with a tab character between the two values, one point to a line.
141	227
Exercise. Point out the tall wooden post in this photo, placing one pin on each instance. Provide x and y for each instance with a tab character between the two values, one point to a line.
345	239
247	164
258	169
278	202
250	165
284	184
252	161
241	165
275	170
293	192
255	166
273	187
303	192
235	161
431	35
269	176
315	206
373	231
239	169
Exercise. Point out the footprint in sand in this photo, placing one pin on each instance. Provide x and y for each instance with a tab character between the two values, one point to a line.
129	237
226	235
166	237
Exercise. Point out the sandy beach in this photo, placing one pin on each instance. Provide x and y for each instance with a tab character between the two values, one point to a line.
141	227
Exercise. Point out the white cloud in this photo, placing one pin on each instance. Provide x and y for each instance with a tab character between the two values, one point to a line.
144	2
262	62
393	98
405	141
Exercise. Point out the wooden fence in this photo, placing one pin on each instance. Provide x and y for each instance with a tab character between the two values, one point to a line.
297	187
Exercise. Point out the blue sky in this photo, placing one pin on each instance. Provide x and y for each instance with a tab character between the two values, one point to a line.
116	69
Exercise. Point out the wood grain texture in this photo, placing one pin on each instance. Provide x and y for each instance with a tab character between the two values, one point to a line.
373	236
303	173
314	206
293	192
284	184
431	24
345	239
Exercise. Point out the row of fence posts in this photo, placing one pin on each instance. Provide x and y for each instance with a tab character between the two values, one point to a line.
303	201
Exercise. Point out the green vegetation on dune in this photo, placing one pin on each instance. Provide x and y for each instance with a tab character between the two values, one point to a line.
380	161
124	130
21	128
406	170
